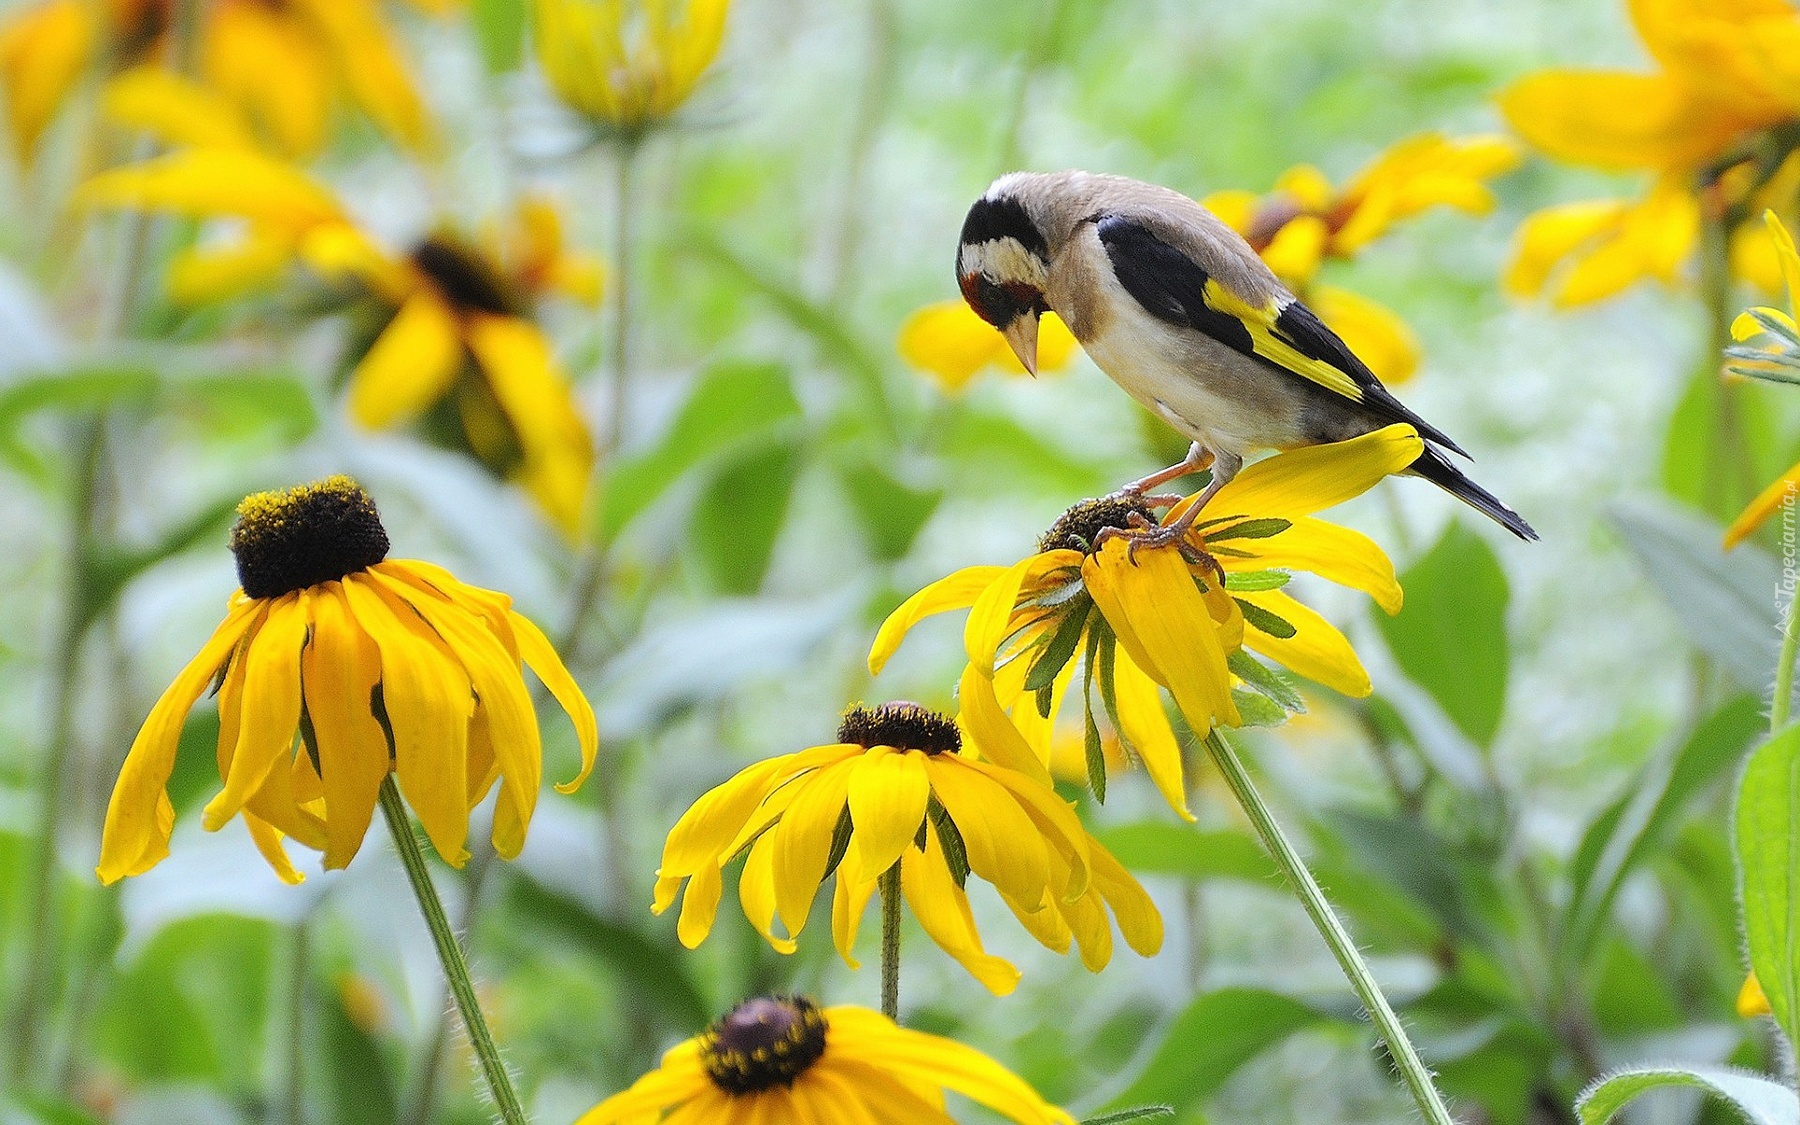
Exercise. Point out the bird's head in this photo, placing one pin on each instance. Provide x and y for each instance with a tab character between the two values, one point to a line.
1002	264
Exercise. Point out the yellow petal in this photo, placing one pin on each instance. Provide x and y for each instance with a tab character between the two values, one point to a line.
410	366
950	343
1306	186
429	701
1346	557
1316	650
756	893
1548	236
1054	818
201	275
692	49
42	53
1139	920
1165	627
1297	249
371	66
539	401
988	729
540	656
176	111
927	1060
990	617
957	591
849	901
709	825
1786	256
1004	847
271	711
888	792
1146	729
1613	120
803	841
138	815
1374	333
1779	494
699	906
1235	208
339	669
1303	481
264	58
267	839
212	182
1652	239
942	909
1751	1000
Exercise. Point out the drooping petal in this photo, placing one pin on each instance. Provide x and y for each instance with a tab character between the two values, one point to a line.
990	617
42	52
271	705
410	366
1164	625
699	905
1330	551
706	829
956	591
1133	908
339	670
199	275
942	910
1780	493
1316	650
267	839
1146	729
540	656
986	725
849	901
1053	818
756	893
538	400
1297	249
177	111
868	1037
261	57
429	701
803	842
1373	332
1004	847
888	792
1613	120
370	62
203	183
139	816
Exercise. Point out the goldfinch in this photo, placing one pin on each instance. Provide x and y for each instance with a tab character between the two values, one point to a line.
1178	310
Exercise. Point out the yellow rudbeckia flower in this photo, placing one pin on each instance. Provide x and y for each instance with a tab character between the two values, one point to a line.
460	340
619	80
1725	76
784	1059
334	667
1777	360
951	344
1304	220
900	790
1751	1000
1174	619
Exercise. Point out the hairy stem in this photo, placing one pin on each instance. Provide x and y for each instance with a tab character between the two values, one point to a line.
1782	704
456	969
890	941
1406	1059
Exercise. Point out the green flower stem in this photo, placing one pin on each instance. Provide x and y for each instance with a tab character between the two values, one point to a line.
1781	706
1400	1048
421	1105
625	234
28	1013
293	1102
890	941
1735	481
456	969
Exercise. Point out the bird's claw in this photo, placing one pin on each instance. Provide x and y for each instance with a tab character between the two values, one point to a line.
1129	495
1146	534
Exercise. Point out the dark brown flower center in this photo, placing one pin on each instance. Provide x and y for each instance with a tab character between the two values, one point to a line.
763	1042
904	726
293	538
1078	528
465	276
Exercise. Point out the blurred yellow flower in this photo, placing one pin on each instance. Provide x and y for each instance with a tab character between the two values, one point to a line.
773	1060
281	65
1776	360
1727	71
335	667
1304	220
951	344
1173	618
626	64
460	335
900	789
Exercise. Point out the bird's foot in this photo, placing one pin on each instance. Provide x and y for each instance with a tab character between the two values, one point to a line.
1131	494
1144	534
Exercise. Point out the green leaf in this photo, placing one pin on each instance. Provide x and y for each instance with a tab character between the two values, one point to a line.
1760	1100
1264	621
1255	581
77	389
1411	857
732	406
1642	821
740	513
361	1086
1451	637
1058	650
112	570
891	511
1093	752
1266	680
1154	847
1697	468
1256	709
659	970
1206	1044
1136	1113
499	27
1250	529
1767	838
1725	602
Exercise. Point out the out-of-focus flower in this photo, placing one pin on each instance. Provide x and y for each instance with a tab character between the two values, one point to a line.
281	65
784	1059
335	667
951	344
1726	75
460	338
1173	618
899	789
1776	359
627	64
1304	220
1751	1001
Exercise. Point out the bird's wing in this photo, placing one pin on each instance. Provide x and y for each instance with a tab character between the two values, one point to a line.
1278	330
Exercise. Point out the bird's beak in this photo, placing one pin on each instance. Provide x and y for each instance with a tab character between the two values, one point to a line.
1022	335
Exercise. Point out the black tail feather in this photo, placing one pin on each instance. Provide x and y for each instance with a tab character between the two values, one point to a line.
1433	467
